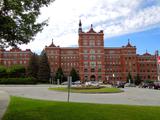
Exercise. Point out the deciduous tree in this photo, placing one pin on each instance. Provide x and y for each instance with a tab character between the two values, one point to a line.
18	21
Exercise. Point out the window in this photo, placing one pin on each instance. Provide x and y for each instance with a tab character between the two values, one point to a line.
92	57
92	51
93	64
91	43
85	70
92	70
85	57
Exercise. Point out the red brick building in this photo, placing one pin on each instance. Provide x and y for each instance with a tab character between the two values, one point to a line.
15	56
93	61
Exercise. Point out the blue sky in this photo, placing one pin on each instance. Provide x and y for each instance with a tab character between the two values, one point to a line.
146	40
137	20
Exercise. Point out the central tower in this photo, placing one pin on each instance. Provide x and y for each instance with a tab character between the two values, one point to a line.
91	55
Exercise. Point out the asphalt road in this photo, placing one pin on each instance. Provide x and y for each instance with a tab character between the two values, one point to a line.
131	96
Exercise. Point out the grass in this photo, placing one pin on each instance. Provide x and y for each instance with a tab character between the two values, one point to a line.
94	90
30	109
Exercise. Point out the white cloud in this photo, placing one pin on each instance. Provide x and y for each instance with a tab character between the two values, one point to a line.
115	17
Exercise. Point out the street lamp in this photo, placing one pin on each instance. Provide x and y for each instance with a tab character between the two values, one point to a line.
113	78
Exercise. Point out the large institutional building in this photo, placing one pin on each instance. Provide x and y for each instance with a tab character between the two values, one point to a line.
15	56
93	61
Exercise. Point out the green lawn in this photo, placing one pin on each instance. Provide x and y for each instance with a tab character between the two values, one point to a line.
100	90
29	109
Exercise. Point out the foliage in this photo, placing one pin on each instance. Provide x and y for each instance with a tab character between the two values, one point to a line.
16	71
28	80
88	89
33	67
138	80
44	69
18	20
30	109
148	81
74	75
3	71
59	75
129	78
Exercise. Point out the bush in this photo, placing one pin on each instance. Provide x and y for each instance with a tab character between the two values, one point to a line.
16	71
3	71
29	80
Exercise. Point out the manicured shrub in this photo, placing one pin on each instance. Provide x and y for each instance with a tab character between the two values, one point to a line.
29	80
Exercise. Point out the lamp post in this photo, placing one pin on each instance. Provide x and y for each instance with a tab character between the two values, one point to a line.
114	79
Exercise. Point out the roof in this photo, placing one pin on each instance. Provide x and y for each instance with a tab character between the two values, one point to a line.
52	44
91	30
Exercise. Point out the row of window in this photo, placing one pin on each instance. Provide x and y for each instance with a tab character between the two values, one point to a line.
14	62
91	51
92	57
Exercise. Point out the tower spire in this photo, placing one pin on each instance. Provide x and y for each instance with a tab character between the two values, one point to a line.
80	26
52	40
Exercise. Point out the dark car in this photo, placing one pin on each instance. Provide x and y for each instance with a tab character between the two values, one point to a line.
120	85
156	85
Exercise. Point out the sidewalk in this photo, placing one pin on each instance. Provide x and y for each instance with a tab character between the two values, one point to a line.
4	101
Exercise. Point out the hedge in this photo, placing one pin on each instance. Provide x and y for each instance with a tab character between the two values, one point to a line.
28	80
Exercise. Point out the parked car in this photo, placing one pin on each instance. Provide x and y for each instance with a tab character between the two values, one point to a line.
66	83
130	85
147	85
77	82
156	85
120	85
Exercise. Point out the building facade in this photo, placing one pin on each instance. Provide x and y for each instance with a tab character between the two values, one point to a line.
93	61
15	56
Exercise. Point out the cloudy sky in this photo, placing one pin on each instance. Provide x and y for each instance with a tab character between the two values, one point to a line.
137	20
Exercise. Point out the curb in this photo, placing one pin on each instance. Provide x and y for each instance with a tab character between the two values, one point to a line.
4	102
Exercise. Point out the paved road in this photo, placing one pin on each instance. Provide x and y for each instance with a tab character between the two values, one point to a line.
4	101
132	96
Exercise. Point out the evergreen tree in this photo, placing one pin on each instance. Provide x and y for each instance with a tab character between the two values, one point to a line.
33	67
129	78
59	75
18	21
44	69
74	75
138	79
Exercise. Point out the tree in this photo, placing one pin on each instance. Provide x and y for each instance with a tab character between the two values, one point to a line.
138	79
44	69
18	21
59	74
74	75
3	71
33	67
129	78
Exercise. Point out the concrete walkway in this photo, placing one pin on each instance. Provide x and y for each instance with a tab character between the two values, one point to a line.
4	101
